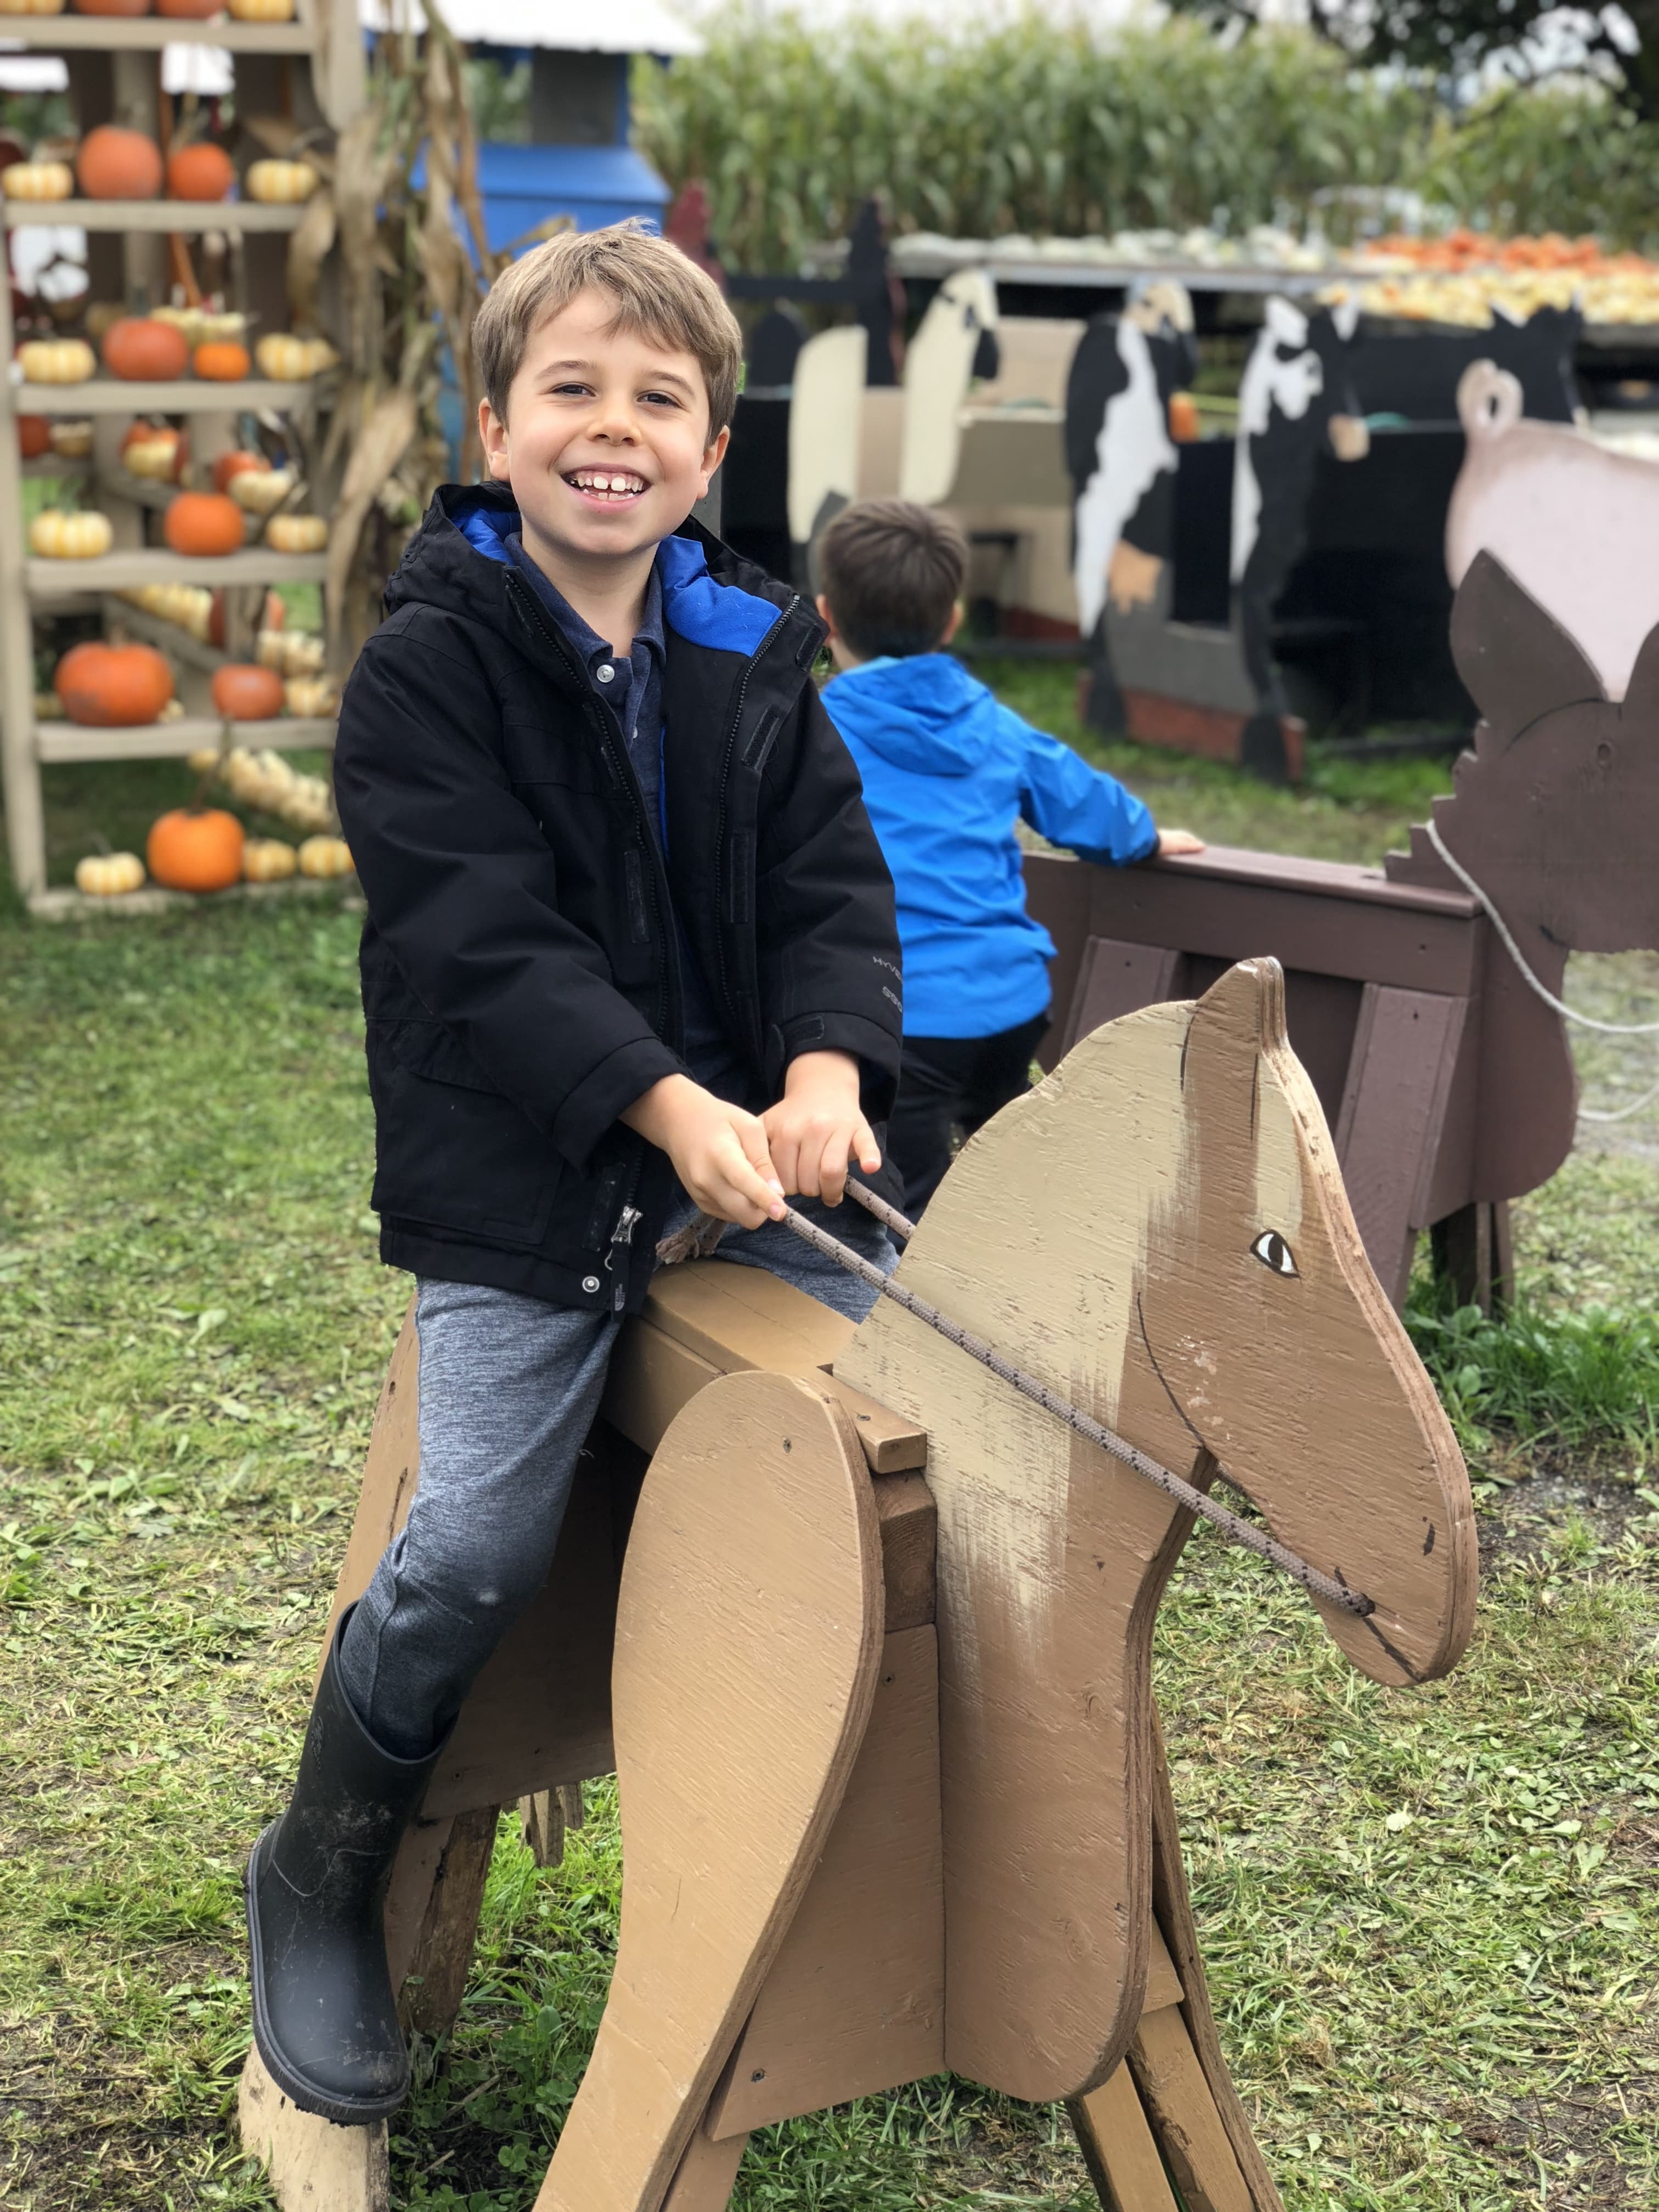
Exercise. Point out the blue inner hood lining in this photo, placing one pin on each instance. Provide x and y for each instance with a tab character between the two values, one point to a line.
693	605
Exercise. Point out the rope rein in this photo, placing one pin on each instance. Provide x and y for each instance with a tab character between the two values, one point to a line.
1236	1531
1558	1006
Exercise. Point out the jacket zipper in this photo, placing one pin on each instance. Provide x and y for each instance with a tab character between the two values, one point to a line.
726	781
623	767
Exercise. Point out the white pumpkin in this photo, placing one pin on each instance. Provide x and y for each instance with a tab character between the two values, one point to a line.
294	533
281	183
108	875
55	535
324	856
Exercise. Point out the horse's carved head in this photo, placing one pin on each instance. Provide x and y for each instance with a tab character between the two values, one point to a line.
1267	1329
1549	810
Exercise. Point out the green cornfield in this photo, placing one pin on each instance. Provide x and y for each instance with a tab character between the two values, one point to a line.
1048	127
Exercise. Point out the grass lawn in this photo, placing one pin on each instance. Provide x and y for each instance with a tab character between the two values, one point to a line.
1431	1920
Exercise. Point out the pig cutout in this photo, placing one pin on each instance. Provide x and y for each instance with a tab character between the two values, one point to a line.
1577	526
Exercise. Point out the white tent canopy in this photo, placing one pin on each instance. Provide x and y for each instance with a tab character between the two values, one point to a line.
621	27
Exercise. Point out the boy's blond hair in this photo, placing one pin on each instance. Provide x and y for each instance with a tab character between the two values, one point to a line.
660	293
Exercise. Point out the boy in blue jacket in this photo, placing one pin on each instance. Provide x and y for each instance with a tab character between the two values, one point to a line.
947	769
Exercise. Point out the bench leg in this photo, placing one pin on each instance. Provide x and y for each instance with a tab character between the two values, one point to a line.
434	1981
311	2163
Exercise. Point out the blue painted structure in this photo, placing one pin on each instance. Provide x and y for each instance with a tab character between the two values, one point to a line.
523	186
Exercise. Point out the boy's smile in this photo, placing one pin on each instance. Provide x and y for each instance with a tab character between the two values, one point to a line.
605	444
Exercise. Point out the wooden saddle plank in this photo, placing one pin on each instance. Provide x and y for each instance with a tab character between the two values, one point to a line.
854	2003
1392	1117
749	1634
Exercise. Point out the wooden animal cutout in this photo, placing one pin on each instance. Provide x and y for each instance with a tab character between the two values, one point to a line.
940	367
1550	812
1159	1230
1121	458
825	420
1577	526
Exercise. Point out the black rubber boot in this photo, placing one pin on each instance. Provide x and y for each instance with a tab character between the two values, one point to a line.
325	2018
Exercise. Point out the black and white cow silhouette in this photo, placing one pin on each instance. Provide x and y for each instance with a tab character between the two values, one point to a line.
1297	395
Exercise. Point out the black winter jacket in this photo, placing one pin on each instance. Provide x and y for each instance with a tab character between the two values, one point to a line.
520	969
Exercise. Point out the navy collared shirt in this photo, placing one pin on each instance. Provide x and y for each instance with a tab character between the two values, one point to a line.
631	688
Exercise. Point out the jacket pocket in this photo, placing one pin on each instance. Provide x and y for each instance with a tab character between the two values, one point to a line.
450	1149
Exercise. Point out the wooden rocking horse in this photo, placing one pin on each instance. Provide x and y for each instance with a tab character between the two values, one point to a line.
893	1794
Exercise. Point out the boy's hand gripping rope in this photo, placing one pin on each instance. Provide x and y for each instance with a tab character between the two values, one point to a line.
1236	1531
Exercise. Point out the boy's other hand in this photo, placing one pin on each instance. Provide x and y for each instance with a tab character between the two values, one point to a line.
1178	841
719	1152
816	1123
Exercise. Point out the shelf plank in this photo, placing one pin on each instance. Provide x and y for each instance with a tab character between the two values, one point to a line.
147	34
125	571
69	741
116	395
182	215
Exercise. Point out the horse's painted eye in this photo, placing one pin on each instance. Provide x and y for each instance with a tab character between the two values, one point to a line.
1274	1252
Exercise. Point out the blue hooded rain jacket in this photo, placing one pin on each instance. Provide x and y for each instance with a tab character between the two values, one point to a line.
947	770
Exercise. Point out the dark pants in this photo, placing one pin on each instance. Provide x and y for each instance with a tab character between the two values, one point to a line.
953	1082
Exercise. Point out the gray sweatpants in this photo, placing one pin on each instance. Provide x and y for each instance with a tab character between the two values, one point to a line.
509	1389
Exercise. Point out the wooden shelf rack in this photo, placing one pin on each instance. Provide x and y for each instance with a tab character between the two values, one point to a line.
311	68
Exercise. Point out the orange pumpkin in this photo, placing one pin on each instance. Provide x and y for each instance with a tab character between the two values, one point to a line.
203	171
1184	427
111	7
114	164
244	692
222	361
34	435
203	523
144	351
188	11
233	465
112	686
189	850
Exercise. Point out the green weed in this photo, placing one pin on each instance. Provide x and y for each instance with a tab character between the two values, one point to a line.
1577	1380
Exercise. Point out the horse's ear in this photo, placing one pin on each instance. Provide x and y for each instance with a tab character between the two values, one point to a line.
1515	657
1241	1016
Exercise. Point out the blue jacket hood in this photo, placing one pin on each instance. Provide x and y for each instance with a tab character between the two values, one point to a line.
925	713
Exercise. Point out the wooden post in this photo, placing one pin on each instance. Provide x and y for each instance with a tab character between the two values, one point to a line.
26	821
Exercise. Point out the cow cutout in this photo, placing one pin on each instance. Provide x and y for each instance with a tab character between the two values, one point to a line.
1211	686
1575	525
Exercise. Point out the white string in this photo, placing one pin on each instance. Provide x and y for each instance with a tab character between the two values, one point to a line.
1559	1005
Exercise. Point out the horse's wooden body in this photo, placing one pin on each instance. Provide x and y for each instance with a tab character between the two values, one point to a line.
1160	1231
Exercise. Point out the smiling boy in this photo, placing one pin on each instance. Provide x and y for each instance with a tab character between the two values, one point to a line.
630	947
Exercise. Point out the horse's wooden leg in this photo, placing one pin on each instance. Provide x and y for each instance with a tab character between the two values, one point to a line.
434	1981
1185	2123
1173	1911
313	2166
706	2175
1118	2147
544	1818
749	1633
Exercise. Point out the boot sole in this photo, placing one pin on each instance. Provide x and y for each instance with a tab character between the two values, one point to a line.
303	2095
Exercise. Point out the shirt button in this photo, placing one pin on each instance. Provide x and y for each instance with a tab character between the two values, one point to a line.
604	671
589	1283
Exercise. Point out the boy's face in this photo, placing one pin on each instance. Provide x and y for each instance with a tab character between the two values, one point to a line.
606	440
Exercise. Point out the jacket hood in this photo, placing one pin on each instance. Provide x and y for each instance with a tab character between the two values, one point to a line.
459	560
925	713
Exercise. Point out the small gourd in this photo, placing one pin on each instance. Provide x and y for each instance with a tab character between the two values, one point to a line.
37	180
189	11
30	7
267	861
290	652
323	857
108	875
285	358
297	533
114	164
281	183
55	535
261	11
105	687
143	350
127	8
220	361
201	172
155	452
56	361
245	692
196	850
72	441
262	491
203	523
230	466
311	697
188	607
